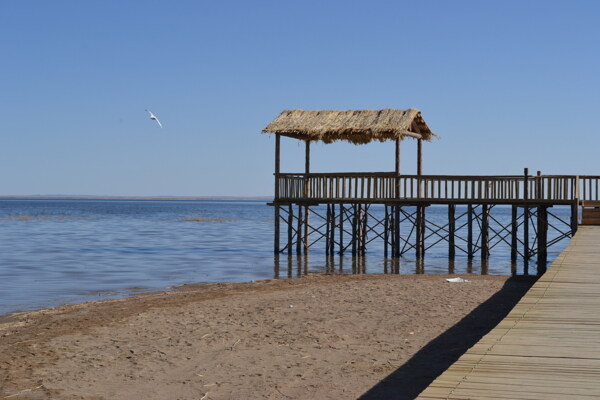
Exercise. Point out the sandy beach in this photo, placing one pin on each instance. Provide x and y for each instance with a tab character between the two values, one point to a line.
318	337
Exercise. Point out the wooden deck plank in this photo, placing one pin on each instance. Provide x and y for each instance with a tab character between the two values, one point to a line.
548	346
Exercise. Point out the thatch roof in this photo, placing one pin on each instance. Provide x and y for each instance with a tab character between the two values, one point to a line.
355	126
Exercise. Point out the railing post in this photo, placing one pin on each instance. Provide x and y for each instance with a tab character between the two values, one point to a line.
538	186
575	208
526	221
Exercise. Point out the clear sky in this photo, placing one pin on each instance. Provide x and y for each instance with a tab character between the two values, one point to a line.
506	84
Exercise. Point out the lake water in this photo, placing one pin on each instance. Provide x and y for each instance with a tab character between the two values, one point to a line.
54	252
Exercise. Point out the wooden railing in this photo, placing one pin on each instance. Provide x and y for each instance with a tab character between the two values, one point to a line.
381	186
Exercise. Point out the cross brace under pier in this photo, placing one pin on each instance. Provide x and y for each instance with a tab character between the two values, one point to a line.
471	229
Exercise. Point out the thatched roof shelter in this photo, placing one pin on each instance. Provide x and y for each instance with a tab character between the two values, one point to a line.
354	126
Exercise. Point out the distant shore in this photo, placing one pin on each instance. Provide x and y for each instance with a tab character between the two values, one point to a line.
322	336
94	197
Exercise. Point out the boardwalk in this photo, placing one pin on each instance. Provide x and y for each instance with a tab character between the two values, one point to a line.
548	347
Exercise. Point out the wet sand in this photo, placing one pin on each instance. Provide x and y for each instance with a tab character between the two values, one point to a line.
318	337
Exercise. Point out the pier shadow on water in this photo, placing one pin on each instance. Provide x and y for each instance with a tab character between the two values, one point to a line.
414	376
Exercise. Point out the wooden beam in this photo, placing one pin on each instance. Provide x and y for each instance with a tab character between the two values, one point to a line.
411	134
307	158
276	243
397	156
277	164
420	157
397	185
307	195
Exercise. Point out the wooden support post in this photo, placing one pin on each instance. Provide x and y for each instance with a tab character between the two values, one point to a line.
419	167
574	217
332	231
542	239
306	227
485	232
470	231
276	239
307	195
451	231
290	228
420	157
396	249
276	266
396	265
277	164
423	228
484	266
365	225
342	216
299	235
420	232
526	222
514	241
360	233
386	234
307	168
327	229
354	229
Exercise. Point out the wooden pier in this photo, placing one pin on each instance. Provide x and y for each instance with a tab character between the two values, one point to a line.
548	347
335	209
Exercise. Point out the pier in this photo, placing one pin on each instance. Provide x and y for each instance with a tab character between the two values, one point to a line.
546	348
335	209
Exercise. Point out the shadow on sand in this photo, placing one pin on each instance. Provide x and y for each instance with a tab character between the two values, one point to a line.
408	381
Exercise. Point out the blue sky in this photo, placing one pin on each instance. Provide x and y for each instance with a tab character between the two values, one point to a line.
506	84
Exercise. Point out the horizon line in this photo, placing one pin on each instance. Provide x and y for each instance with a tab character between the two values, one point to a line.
127	197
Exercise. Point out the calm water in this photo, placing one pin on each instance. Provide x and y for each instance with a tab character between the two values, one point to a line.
63	251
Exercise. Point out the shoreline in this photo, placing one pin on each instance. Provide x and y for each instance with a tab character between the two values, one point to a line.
321	336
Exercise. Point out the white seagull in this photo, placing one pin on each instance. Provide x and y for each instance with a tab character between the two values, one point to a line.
152	116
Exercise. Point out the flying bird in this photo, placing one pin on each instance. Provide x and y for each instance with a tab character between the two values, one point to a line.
152	116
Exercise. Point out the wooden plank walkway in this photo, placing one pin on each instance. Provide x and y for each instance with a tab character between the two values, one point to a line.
548	347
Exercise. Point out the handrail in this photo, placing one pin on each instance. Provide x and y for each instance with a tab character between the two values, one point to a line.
389	186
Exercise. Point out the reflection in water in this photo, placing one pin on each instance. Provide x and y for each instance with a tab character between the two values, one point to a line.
451	266
484	266
391	266
364	264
